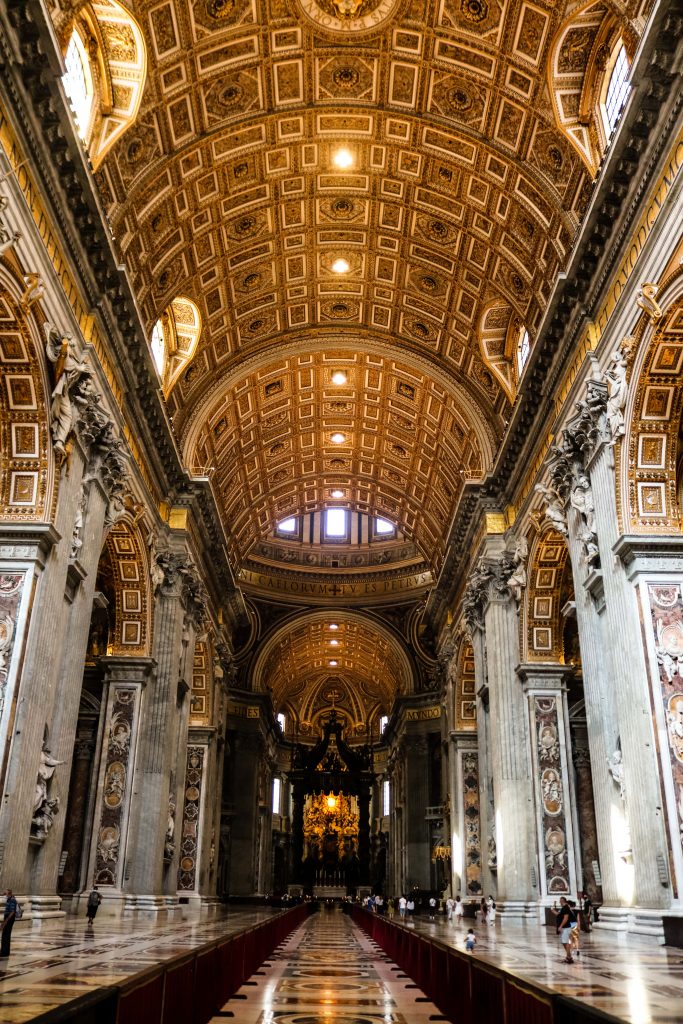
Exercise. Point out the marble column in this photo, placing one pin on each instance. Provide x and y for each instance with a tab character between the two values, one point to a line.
509	753
80	787
642	794
245	792
418	853
585	810
653	568
125	682
152	852
546	693
601	723
466	839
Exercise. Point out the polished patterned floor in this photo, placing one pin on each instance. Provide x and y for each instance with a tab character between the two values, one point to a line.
60	960
329	971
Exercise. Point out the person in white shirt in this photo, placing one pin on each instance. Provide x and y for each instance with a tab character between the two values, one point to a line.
449	908
432	908
458	909
402	904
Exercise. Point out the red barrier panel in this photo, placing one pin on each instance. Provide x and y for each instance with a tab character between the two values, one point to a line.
525	1007
206	1000
487	994
438	975
142	1005
459	985
179	993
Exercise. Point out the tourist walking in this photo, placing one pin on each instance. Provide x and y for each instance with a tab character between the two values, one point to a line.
449	908
483	910
390	907
402	904
432	907
94	900
458	909
8	919
565	915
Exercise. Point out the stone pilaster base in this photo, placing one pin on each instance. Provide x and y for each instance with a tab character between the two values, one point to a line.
634	920
512	910
151	904
43	908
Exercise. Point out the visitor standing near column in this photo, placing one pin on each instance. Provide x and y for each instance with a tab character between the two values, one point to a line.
390	907
490	910
8	919
402	904
458	909
411	907
432	907
586	908
564	928
94	900
449	908
575	929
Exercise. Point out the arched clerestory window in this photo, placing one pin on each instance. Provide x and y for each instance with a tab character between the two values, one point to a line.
105	65
173	341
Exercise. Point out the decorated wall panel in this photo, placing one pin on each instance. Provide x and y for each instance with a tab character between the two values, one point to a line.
666	611
117	780
472	819
192	808
553	796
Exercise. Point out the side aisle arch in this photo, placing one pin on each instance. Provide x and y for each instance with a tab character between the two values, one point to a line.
542	636
649	475
26	465
127	551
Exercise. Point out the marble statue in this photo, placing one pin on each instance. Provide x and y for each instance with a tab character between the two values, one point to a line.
46	770
616	770
617	392
7	238
69	370
554	511
169	840
518	580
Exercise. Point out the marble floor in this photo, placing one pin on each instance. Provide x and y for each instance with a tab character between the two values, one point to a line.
329	970
62	959
634	979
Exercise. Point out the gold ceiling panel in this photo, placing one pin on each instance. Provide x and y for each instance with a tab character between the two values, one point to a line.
462	193
308	655
278	440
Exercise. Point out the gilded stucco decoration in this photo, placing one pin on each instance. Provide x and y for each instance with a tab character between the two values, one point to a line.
338	660
130	576
25	477
465	689
460	193
409	444
650	453
542	638
113	42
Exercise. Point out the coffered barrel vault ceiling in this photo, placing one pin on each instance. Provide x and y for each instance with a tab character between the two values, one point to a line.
409	444
297	665
463	196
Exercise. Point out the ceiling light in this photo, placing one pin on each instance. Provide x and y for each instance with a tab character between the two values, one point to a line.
341	266
333	625
339	377
335	643
338	438
337	494
343	158
333	664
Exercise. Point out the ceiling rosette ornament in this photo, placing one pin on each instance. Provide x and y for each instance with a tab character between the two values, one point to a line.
349	17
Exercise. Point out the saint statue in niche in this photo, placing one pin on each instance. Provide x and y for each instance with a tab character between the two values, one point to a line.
674	718
551	789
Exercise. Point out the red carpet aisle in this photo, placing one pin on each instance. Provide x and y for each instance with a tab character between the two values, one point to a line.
329	972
